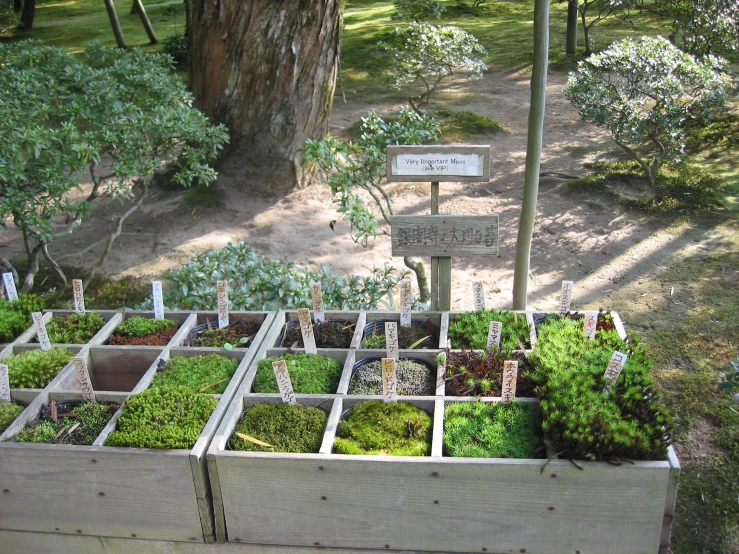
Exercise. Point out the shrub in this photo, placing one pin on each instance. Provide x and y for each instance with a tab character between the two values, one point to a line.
702	27
309	374
176	46
287	428
470	330
205	373
74	328
416	10
34	369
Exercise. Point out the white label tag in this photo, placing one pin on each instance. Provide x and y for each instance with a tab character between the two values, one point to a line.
510	374
406	301
565	297
389	381
617	363
478	295
590	323
79	296
494	331
10	287
43	336
158	298
283	382
439	164
4	384
222	291
391	340
306	329
80	367
317	297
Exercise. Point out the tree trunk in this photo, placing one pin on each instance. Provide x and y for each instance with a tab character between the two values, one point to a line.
572	23
585	30
533	154
267	70
28	13
139	5
134	8
113	16
17	6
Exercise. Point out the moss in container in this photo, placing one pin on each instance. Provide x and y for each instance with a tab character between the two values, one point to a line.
425	335
34	369
144	331
309	374
582	421
470	330
238	334
380	428
74	328
285	427
492	430
413	378
8	413
15	317
209	373
167	417
328	334
78	422
480	373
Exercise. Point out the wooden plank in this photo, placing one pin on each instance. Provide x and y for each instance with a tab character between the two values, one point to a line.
445	235
445	282
120	368
437	441
448	156
444	330
670	501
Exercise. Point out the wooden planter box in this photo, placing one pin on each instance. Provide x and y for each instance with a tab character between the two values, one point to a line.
116	492
440	319
528	315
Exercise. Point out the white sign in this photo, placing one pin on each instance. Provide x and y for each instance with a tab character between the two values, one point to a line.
79	296
317	297
406	301
478	295
306	329
283	382
389	381
43	336
157	297
222	291
10	287
80	367
617	363
391	340
494	331
565	297
510	374
4	384
439	164
590	323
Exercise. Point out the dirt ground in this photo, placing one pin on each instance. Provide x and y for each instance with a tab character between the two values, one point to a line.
600	247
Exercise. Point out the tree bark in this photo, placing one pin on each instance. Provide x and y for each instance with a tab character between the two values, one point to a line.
139	7
113	16
267	70
533	154
572	23
18	6
28	14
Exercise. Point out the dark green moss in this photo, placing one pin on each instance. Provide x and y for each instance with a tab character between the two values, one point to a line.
74	328
138	326
288	428
309	374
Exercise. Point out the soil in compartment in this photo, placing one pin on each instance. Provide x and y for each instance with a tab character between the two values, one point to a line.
140	331
478	373
68	422
328	334
425	335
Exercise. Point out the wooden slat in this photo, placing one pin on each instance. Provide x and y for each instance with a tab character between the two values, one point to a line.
670	501
445	235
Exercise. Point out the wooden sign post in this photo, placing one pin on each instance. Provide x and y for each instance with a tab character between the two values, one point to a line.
435	164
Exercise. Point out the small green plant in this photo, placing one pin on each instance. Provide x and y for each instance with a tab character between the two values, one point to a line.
241	343
491	430
413	379
470	330
34	369
15	317
285	427
424	334
309	374
41	433
441	358
390	429
8	413
204	373
138	326
74	328
730	379
83	426
163	417
176	46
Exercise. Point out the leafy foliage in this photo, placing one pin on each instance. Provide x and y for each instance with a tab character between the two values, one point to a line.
309	374
425	53
643	92
730	378
8	413
163	417
34	369
15	317
288	428
389	429
491	430
470	330
417	10
702	27
258	283
138	326
205	373
176	46
74	328
594	11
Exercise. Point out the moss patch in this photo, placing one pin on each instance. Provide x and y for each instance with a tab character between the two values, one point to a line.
287	428
309	374
8	413
209	373
470	330
34	369
74	328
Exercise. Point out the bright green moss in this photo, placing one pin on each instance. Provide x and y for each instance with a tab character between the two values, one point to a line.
494	430
15	317
74	328
470	330
309	374
41	433
34	369
391	429
138	326
198	372
288	428
8	413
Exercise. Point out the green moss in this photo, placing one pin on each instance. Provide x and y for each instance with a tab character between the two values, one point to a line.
41	433
92	417
15	317
309	374
198	372
495	430
391	429
288	428
470	329
8	413
163	417
74	328
138	326
460	125
34	369
88	421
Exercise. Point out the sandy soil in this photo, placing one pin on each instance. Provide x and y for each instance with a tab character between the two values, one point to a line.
600	247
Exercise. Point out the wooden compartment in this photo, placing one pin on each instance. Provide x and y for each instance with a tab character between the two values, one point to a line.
199	319
290	317
440	319
527	314
112	320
